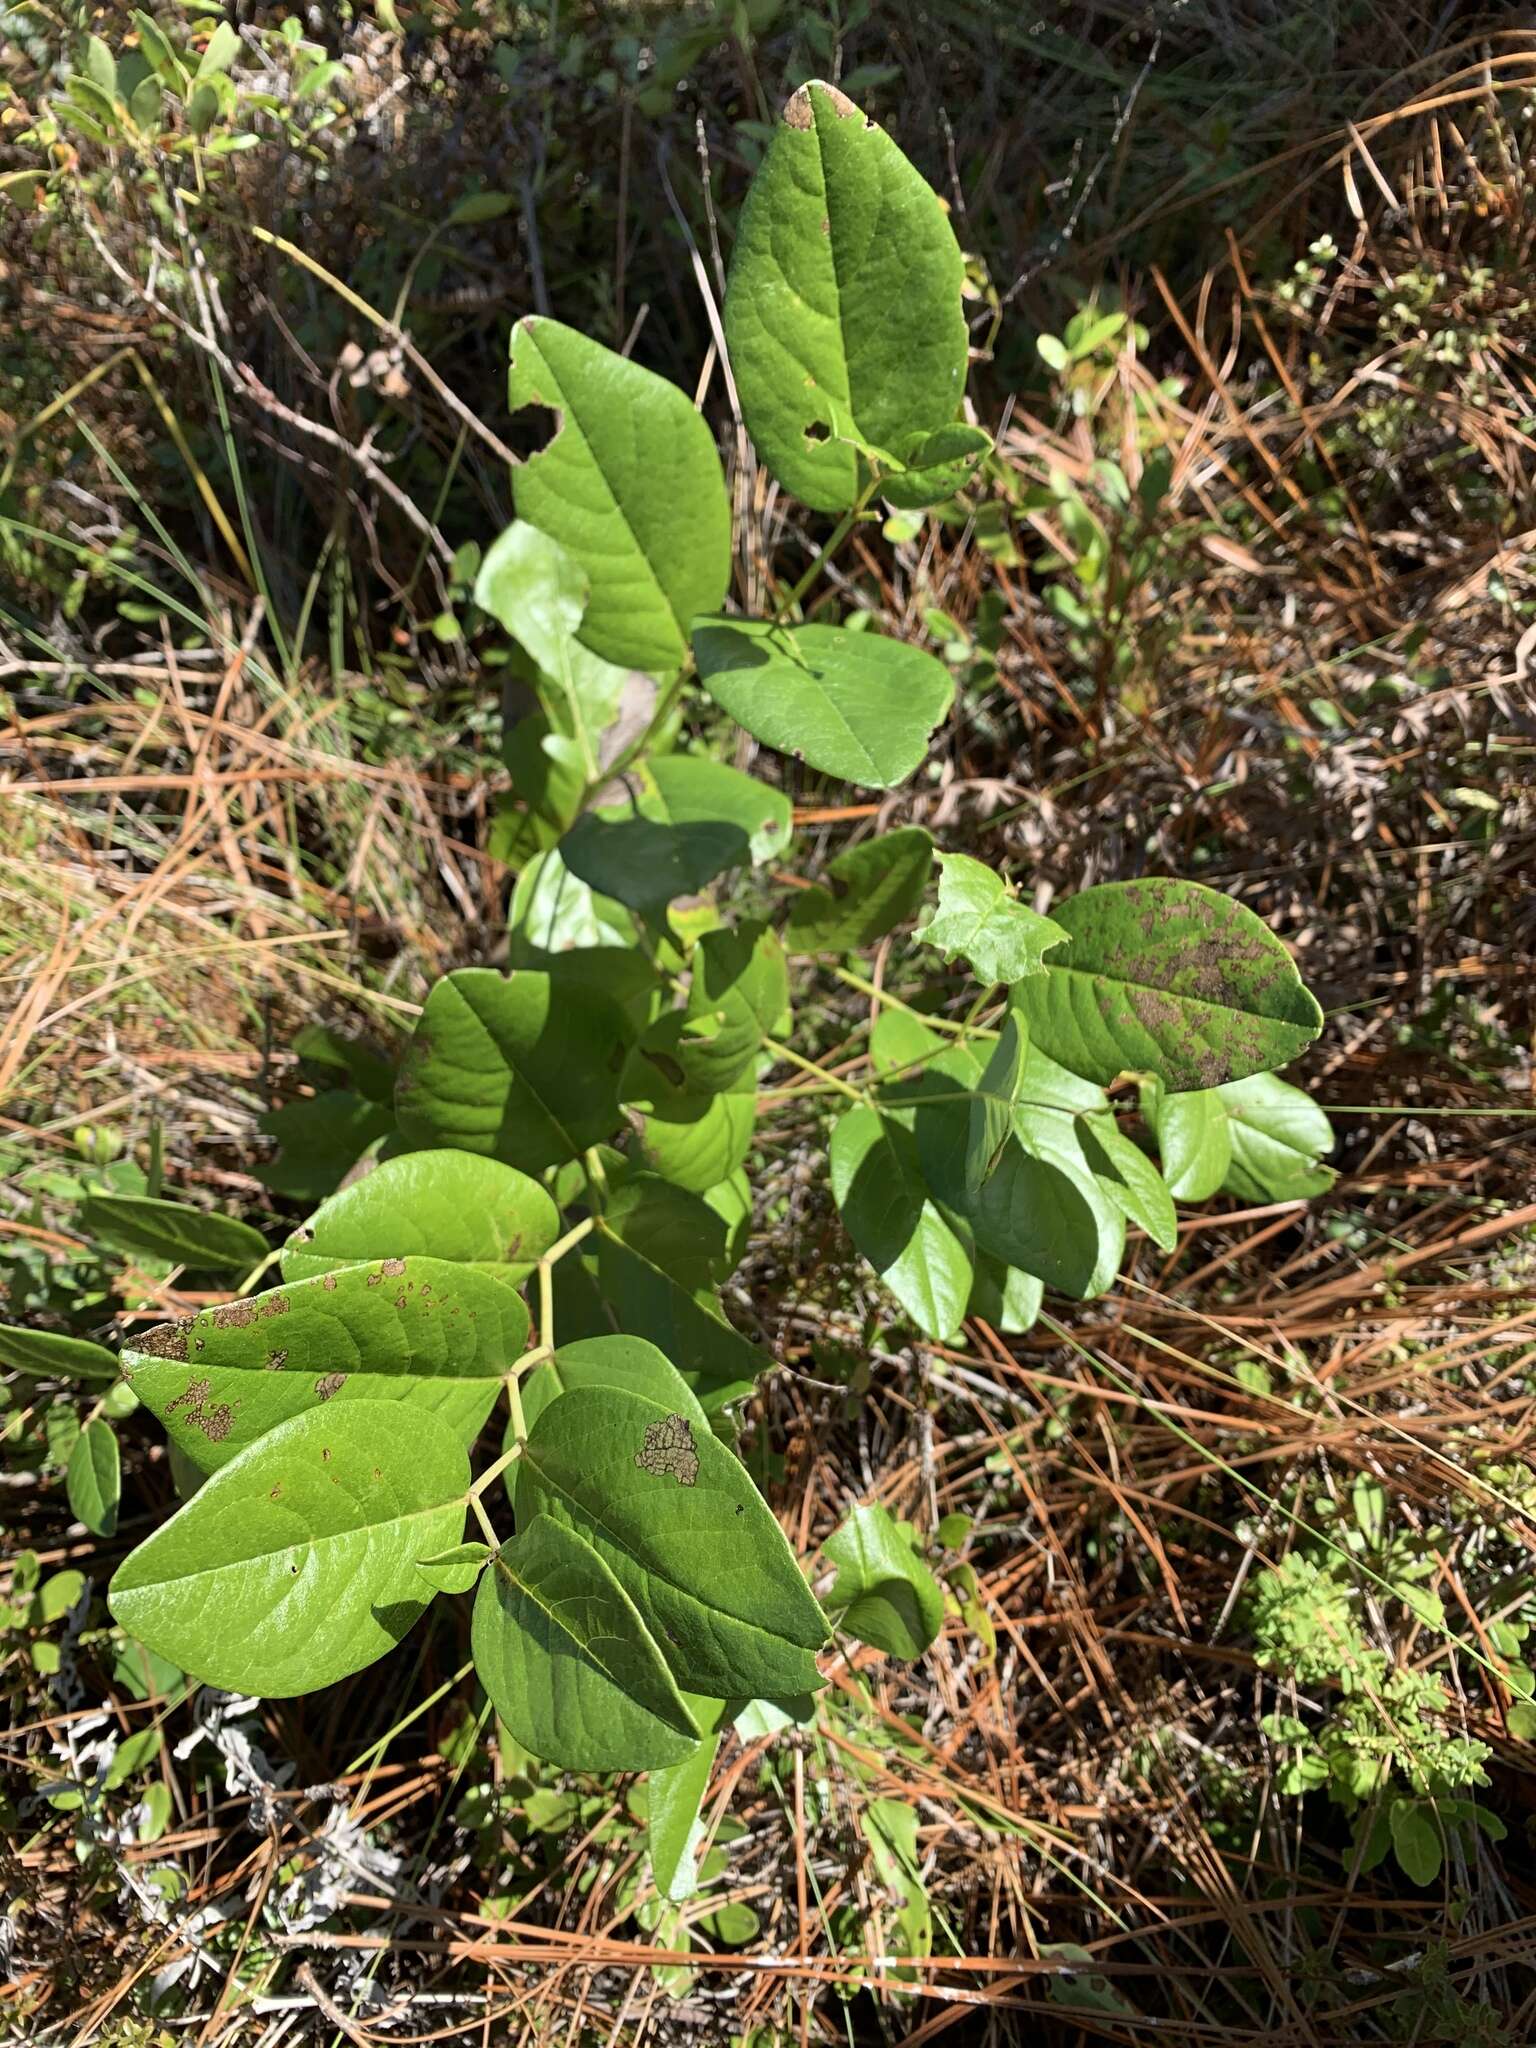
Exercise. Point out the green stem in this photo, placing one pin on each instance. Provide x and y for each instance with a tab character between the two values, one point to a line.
795	1059
839	534
891	1002
493	1472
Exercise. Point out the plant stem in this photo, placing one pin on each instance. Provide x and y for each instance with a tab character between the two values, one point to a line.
493	1472
487	1528
839	534
891	1002
795	1059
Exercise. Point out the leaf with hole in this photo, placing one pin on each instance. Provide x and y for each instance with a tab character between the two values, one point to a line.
676	1518
842	311
499	1066
1172	979
878	1187
981	921
568	1662
93	1478
869	890
441	1204
851	704
295	1564
143	1226
630	486
884	1593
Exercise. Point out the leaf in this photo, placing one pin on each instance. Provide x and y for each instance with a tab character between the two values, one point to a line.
1004	1297
1129	1178
499	1067
676	1518
144	1227
698	1150
295	1564
1416	1840
694	790
567	1661
738	995
644	864
1194	1139
535	589
715	1359
937	465
842	310
878	1187
1168	978
628	1363
1044	1210
50	1354
855	705
1279	1137
441	1204
673	1828
890	1828
93	1480
888	1595
630	485
222	49
671	1229
992	1105
869	889
554	917
456	1569
320	1139
417	1318
477	207
979	920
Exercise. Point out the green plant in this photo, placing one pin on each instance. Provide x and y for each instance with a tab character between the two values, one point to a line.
327	1422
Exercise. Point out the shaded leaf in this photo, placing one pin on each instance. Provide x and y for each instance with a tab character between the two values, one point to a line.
868	891
698	1150
52	1355
694	790
320	1139
93	1480
644	864
878	1187
144	1227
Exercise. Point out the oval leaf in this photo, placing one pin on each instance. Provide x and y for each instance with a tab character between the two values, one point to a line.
693	789
868	891
1172	979
680	1524
92	1480
842	313
630	485
889	1596
878	1186
295	1564
698	1150
1194	1139
1278	1138
497	1066
52	1355
447	1205
144	1227
567	1661
851	704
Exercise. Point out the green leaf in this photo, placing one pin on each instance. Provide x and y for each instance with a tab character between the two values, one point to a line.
320	1139
673	1827
295	1564
877	1184
100	65
1004	1297
698	1150
93	1480
1416	1839
1045	1211
888	1595
676	1518
644	864
432	1333
568	1662
456	1569
554	918
442	1204
993	1103
1168	978
1129	1178
499	1066
695	790
855	705
630	485
644	1301
739	994
869	889
671	1229
222	49
1278	1138
146	1228
535	589
48	1354
890	1828
979	920
842	313
1194	1139
937	465
628	1363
